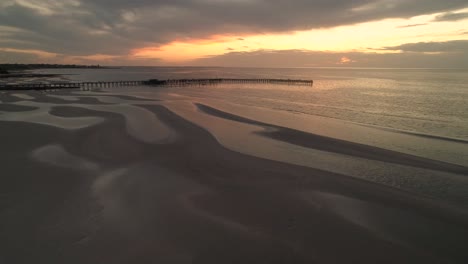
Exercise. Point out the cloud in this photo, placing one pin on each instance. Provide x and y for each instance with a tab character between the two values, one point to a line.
115	27
9	55
413	25
345	60
69	32
308	58
452	16
13	56
447	46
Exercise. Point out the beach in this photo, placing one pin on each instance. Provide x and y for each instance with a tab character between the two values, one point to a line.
181	175
233	132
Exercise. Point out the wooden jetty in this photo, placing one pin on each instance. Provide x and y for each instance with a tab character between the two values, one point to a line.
151	82
179	82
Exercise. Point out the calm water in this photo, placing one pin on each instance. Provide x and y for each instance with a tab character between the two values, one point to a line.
423	101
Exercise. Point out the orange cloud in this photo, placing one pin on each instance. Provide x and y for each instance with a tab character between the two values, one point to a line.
190	49
345	60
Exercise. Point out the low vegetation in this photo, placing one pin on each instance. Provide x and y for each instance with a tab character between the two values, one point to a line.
19	67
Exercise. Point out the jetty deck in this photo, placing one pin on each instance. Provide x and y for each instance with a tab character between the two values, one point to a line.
151	82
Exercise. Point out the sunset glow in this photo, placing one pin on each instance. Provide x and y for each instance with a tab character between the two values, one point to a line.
134	40
365	37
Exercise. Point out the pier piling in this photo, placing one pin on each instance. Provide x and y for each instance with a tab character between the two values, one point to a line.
151	82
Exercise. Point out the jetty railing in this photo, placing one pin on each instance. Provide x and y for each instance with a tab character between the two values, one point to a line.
151	82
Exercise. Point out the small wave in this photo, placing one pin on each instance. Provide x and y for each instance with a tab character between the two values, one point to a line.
414	133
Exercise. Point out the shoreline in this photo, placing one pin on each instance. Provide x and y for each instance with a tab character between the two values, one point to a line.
27	75
27	70
339	146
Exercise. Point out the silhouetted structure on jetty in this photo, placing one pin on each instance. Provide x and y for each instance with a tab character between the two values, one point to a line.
151	82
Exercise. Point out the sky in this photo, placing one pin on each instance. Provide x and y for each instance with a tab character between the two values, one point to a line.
237	33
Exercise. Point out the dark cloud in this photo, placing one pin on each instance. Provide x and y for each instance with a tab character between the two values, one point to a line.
240	39
66	33
305	58
81	27
9	56
447	46
413	25
451	16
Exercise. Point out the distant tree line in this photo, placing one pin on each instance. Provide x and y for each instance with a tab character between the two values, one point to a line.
4	68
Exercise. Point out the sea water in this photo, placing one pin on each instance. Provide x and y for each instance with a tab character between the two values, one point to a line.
430	102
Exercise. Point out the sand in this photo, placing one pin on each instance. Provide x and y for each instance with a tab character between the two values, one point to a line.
102	192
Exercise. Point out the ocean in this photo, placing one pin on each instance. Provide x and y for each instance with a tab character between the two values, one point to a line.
431	102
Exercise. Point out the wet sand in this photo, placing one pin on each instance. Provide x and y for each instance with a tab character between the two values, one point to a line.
99	192
339	146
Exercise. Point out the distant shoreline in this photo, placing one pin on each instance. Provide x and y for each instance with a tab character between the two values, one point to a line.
14	70
26	75
19	67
